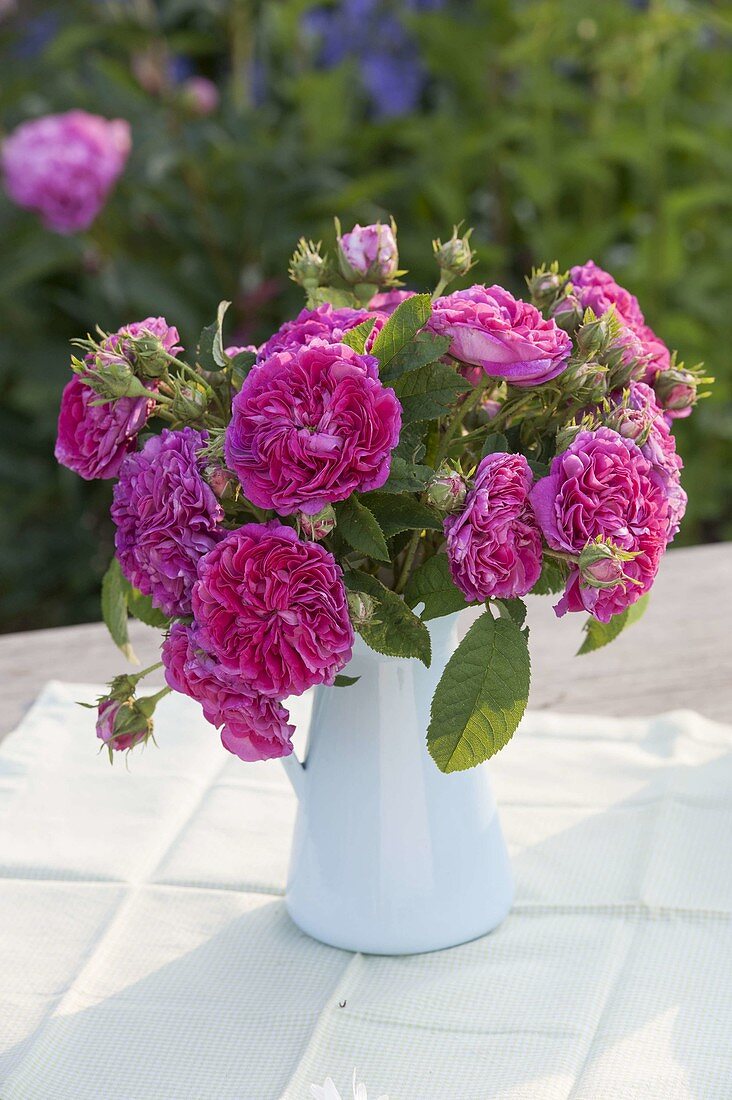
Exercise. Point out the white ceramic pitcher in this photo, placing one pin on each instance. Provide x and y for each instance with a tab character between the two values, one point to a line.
389	855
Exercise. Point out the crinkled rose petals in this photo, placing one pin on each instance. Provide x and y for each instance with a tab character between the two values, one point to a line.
94	439
324	323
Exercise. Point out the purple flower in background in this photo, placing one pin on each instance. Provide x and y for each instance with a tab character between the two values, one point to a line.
93	439
64	166
167	517
372	32
494	543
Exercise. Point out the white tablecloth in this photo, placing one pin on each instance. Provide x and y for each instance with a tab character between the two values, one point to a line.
145	951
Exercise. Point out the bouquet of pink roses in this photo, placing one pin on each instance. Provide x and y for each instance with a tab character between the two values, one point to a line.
385	458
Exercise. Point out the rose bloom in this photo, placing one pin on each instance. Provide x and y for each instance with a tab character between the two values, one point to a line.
167	517
94	439
324	323
603	486
597	290
386	301
494	543
370	250
64	166
106	717
506	337
311	425
255	727
273	609
637	416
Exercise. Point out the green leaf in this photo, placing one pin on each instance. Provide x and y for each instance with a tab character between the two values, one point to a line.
494	443
598	634
395	630
345	681
142	608
429	391
514	609
356	337
482	695
241	364
114	608
399	512
405	322
210	351
538	469
433	586
411	446
406	477
426	347
551	579
359	527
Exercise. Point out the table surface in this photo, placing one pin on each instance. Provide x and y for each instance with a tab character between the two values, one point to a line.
678	656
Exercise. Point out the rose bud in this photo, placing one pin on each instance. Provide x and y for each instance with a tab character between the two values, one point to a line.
188	403
447	490
676	390
113	380
601	564
361	608
307	267
594	336
455	257
545	287
368	253
567	313
122	724
221	481
150	354
319	525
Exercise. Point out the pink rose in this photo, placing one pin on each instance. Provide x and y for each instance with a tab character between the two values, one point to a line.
506	337
494	544
369	252
167	517
273	610
255	727
324	323
386	301
598	291
93	440
64	166
657	357
602	486
311	425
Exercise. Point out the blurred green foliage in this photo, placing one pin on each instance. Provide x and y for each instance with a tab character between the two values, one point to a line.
558	129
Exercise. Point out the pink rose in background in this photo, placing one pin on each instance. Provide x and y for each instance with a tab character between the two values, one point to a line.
597	290
64	166
235	349
506	337
311	425
255	727
273	610
324	323
106	719
602	485
369	251
494	544
93	439
386	301
167	517
200	94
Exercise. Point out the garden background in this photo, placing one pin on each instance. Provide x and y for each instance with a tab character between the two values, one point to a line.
560	130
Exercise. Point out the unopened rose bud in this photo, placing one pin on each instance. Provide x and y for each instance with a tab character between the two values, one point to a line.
122	724
601	564
676	390
368	254
633	424
594	337
361	608
319	525
114	379
586	380
308	267
455	257
446	491
188	403
221	481
150	357
568	313
545	287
